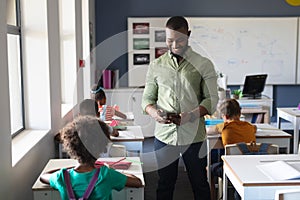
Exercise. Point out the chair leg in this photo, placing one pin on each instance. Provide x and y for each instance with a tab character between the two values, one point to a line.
212	188
220	188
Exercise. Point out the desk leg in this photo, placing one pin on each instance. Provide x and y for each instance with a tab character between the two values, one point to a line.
208	162
225	186
278	121
296	135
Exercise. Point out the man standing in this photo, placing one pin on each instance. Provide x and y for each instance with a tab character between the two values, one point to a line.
181	87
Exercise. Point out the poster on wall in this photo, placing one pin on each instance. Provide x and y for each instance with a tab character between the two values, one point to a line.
141	59
140	28
141	43
160	36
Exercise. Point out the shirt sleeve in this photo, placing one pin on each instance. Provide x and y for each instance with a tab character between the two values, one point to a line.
219	127
151	89
56	179
209	88
118	179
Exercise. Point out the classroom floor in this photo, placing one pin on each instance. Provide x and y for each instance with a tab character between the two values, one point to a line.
183	188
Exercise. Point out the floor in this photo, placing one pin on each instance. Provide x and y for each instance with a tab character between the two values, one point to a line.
183	189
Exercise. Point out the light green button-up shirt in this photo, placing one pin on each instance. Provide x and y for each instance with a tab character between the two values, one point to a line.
180	88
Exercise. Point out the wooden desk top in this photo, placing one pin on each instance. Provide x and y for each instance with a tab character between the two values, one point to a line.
244	169
135	168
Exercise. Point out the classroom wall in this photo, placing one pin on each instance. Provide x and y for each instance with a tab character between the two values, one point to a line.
111	19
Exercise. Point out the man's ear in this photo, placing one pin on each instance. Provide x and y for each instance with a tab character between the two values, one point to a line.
189	33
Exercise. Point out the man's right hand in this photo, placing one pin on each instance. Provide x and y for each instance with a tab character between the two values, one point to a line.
157	114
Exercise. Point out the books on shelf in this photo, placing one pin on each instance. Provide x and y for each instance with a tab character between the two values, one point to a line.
109	79
281	170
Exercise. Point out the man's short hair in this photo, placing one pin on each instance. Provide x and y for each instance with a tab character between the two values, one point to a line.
177	22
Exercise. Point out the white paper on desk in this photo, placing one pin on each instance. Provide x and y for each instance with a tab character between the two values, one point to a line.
279	170
126	134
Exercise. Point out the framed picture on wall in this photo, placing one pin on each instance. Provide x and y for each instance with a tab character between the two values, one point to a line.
141	43
141	59
160	51
159	36
140	28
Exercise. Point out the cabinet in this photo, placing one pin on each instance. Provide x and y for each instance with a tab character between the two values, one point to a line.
260	108
130	100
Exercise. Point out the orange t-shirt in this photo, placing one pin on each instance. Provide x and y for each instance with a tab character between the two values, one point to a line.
237	131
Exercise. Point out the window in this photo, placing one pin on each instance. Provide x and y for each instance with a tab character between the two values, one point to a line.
68	52
15	67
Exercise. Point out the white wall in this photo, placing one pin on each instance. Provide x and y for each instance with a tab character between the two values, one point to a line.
5	141
45	100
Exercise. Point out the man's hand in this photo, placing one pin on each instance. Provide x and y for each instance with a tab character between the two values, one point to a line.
157	114
174	118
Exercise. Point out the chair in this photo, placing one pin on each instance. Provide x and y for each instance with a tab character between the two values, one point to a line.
235	149
288	194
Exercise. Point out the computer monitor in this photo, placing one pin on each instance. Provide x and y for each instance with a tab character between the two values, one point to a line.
254	85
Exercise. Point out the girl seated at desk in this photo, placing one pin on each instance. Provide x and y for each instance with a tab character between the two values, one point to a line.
106	112
85	139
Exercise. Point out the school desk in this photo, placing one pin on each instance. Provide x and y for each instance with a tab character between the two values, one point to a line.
132	138
265	134
249	181
291	115
43	191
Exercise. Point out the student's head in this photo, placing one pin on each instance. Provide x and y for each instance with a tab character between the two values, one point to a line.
85	138
98	94
230	109
177	35
88	107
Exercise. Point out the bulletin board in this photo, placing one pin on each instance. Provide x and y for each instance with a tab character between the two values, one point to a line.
236	46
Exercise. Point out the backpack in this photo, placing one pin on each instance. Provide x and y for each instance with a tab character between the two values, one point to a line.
253	149
87	192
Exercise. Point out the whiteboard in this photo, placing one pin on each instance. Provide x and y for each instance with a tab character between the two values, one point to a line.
241	46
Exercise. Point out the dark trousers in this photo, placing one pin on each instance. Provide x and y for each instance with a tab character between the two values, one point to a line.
167	158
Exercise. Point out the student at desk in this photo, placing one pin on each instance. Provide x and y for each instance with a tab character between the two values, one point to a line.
106	111
85	139
232	130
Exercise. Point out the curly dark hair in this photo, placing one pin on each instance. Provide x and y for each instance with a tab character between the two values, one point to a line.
88	107
97	93
85	138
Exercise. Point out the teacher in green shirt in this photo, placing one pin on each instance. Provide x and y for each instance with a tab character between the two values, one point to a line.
181	87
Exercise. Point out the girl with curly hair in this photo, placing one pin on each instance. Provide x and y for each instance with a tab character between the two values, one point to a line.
84	139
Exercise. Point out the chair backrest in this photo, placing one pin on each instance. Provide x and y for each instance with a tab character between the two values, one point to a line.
288	194
117	150
234	149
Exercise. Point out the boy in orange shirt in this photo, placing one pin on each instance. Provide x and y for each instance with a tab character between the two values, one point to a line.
232	130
